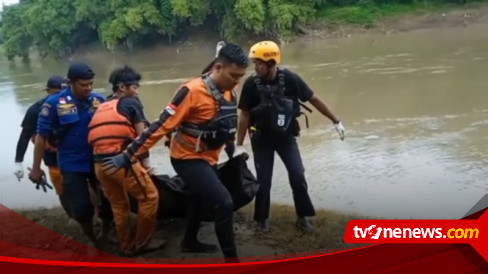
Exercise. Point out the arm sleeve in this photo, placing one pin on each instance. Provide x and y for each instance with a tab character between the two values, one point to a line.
303	90
169	119
247	100
29	125
132	108
23	143
30	118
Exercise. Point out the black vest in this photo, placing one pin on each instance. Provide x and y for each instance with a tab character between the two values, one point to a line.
223	126
276	111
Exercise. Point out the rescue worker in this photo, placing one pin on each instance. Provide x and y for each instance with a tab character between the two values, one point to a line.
206	70
67	115
29	125
204	114
115	124
270	104
218	47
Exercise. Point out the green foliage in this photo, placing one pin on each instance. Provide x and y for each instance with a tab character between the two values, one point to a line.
59	27
194	10
51	24
16	39
251	14
285	14
368	12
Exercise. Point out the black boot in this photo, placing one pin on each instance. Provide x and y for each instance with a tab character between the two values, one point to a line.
87	228
263	225
104	235
305	224
234	260
197	247
230	255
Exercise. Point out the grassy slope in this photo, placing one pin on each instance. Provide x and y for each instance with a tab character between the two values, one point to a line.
370	13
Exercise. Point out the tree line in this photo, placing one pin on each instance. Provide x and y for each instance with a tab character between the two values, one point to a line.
59	27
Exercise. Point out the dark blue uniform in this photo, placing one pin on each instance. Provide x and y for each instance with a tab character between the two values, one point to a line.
265	142
68	118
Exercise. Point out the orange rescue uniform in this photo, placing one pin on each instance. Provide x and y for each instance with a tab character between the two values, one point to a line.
197	106
110	132
56	179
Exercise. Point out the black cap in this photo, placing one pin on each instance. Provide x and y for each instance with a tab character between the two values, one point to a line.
55	81
80	71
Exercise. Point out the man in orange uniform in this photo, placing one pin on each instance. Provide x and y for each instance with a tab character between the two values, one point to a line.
115	124
204	114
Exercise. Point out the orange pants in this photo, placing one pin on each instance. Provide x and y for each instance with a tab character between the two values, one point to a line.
56	179
115	187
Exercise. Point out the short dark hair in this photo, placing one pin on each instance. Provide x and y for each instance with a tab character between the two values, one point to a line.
124	75
232	54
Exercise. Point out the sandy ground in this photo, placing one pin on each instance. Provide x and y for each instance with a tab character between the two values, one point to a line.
283	238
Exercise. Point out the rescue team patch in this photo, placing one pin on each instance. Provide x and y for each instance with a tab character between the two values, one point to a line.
66	106
44	111
62	110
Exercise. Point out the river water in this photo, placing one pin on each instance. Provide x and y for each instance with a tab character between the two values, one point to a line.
415	107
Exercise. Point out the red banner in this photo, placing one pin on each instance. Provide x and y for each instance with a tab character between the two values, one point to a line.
27	246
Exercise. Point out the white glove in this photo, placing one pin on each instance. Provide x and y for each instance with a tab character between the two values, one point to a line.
239	150
219	46
341	130
19	171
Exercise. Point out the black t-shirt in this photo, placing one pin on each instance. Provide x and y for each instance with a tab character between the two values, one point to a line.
29	126
295	87
132	109
30	118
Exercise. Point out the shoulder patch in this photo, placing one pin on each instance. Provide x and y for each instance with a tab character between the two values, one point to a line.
170	109
44	111
67	109
46	105
66	106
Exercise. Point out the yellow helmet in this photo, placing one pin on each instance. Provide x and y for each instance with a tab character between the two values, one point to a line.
266	51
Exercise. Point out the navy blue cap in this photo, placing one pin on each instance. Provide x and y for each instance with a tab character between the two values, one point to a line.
80	71
55	81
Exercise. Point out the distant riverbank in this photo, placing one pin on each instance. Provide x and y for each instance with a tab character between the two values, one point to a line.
245	22
390	18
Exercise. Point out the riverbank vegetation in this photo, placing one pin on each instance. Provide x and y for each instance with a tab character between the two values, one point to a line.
60	27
